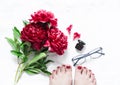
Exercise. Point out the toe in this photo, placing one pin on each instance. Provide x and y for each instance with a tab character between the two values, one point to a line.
89	73
63	68
84	71
58	69
92	78
94	82
51	77
78	69
68	68
54	72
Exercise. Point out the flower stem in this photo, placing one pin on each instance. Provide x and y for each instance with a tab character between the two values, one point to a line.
19	73
16	74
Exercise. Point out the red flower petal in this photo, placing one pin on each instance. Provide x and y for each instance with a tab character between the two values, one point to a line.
69	29
76	35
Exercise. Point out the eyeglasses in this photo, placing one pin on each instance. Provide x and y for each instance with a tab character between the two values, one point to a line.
80	59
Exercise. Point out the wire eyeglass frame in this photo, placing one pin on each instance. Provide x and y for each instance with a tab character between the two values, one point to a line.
77	58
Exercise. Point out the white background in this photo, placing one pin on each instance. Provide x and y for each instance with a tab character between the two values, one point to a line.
98	22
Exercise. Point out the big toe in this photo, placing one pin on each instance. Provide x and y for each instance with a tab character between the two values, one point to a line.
78	69
68	68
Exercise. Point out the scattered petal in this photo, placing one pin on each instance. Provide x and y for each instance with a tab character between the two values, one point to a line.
69	29
76	35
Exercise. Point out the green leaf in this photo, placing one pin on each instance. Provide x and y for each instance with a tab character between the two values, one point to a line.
33	71
46	72
26	48
44	49
25	22
16	33
31	66
48	61
43	66
29	72
26	43
23	58
36	58
20	56
11	42
16	53
17	46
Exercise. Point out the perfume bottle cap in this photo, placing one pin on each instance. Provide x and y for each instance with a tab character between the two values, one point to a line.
80	45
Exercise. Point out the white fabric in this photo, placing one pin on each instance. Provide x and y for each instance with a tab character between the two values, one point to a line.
98	21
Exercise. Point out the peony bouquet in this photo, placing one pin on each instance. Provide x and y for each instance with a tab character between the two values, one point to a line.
38	37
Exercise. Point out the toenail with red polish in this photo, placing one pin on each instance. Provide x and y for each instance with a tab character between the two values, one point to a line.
53	70
90	71
58	67
79	67
63	65
68	67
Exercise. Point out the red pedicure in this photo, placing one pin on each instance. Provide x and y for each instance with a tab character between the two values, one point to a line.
58	67
90	71
53	70
79	67
68	67
63	65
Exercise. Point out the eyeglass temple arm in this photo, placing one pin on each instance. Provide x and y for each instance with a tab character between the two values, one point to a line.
75	63
84	56
96	52
88	54
101	53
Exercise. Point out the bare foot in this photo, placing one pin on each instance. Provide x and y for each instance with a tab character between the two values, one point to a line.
84	76
61	76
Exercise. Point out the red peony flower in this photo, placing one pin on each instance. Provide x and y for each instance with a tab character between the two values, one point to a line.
58	41
44	17
35	34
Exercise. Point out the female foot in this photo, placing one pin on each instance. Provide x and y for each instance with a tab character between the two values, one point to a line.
61	76
84	76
